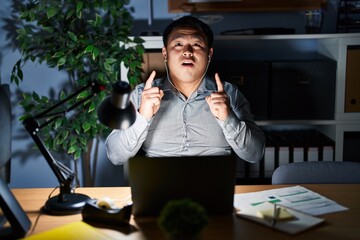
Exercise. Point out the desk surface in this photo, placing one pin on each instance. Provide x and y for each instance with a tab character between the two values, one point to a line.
340	225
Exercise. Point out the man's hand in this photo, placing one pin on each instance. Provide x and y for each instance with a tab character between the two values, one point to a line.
150	98
218	101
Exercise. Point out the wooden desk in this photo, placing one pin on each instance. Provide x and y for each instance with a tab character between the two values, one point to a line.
340	225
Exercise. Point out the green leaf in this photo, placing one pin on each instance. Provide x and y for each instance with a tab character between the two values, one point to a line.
65	134
135	64
138	40
52	11
79	6
110	60
77	128
20	74
72	140
58	141
92	107
86	126
95	53
62	95
77	154
107	66
32	15
70	13
87	102
100	76
72	36
58	123
89	48
79	14
22	118
82	95
61	61
72	149
49	29
35	96
26	96
83	140
70	61
23	15
58	54
98	20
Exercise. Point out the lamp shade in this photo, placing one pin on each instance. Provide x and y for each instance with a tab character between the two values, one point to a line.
117	111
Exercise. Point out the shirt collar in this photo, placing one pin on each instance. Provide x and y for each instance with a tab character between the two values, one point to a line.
207	85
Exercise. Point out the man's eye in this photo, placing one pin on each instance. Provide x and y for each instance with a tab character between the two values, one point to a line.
178	44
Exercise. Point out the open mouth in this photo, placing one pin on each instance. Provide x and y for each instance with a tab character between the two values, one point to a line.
187	63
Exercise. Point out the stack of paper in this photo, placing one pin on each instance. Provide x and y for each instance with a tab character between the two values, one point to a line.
301	203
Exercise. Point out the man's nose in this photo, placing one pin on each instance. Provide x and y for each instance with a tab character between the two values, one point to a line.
188	51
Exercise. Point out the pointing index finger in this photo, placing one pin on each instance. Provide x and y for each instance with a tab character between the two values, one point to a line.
149	81
219	84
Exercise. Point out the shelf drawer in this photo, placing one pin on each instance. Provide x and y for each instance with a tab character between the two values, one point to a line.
352	82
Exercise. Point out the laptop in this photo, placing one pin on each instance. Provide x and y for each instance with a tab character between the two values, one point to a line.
207	180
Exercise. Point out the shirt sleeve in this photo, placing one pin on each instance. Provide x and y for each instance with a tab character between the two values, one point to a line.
240	130
122	144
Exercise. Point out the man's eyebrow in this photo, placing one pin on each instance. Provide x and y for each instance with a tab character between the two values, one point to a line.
181	35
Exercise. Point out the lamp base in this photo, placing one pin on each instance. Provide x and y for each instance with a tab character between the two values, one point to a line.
72	203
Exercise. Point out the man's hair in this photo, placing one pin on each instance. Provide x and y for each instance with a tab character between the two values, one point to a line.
189	22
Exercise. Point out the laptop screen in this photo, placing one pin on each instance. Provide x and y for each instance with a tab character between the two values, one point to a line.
207	180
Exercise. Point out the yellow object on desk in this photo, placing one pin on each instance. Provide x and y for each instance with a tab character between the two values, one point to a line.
281	215
71	231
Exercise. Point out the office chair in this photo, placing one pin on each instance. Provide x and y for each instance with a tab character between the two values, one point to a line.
5	133
317	172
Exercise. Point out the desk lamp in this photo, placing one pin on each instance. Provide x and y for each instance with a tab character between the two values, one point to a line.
115	111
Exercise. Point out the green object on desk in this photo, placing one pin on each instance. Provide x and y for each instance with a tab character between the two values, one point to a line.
183	218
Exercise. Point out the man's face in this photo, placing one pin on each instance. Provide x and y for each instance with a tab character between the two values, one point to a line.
187	53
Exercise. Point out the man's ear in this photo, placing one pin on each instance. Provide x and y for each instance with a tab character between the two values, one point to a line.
164	53
211	51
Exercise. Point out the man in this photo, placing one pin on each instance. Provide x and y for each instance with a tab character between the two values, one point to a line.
188	113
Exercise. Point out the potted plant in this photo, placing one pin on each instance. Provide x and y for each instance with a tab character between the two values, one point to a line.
83	39
182	219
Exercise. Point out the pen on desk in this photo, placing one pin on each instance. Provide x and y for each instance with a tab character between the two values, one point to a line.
275	215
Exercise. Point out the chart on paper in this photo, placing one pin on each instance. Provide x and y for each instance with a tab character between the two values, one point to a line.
297	197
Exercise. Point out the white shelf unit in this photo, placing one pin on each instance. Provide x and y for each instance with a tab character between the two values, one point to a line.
289	47
348	19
